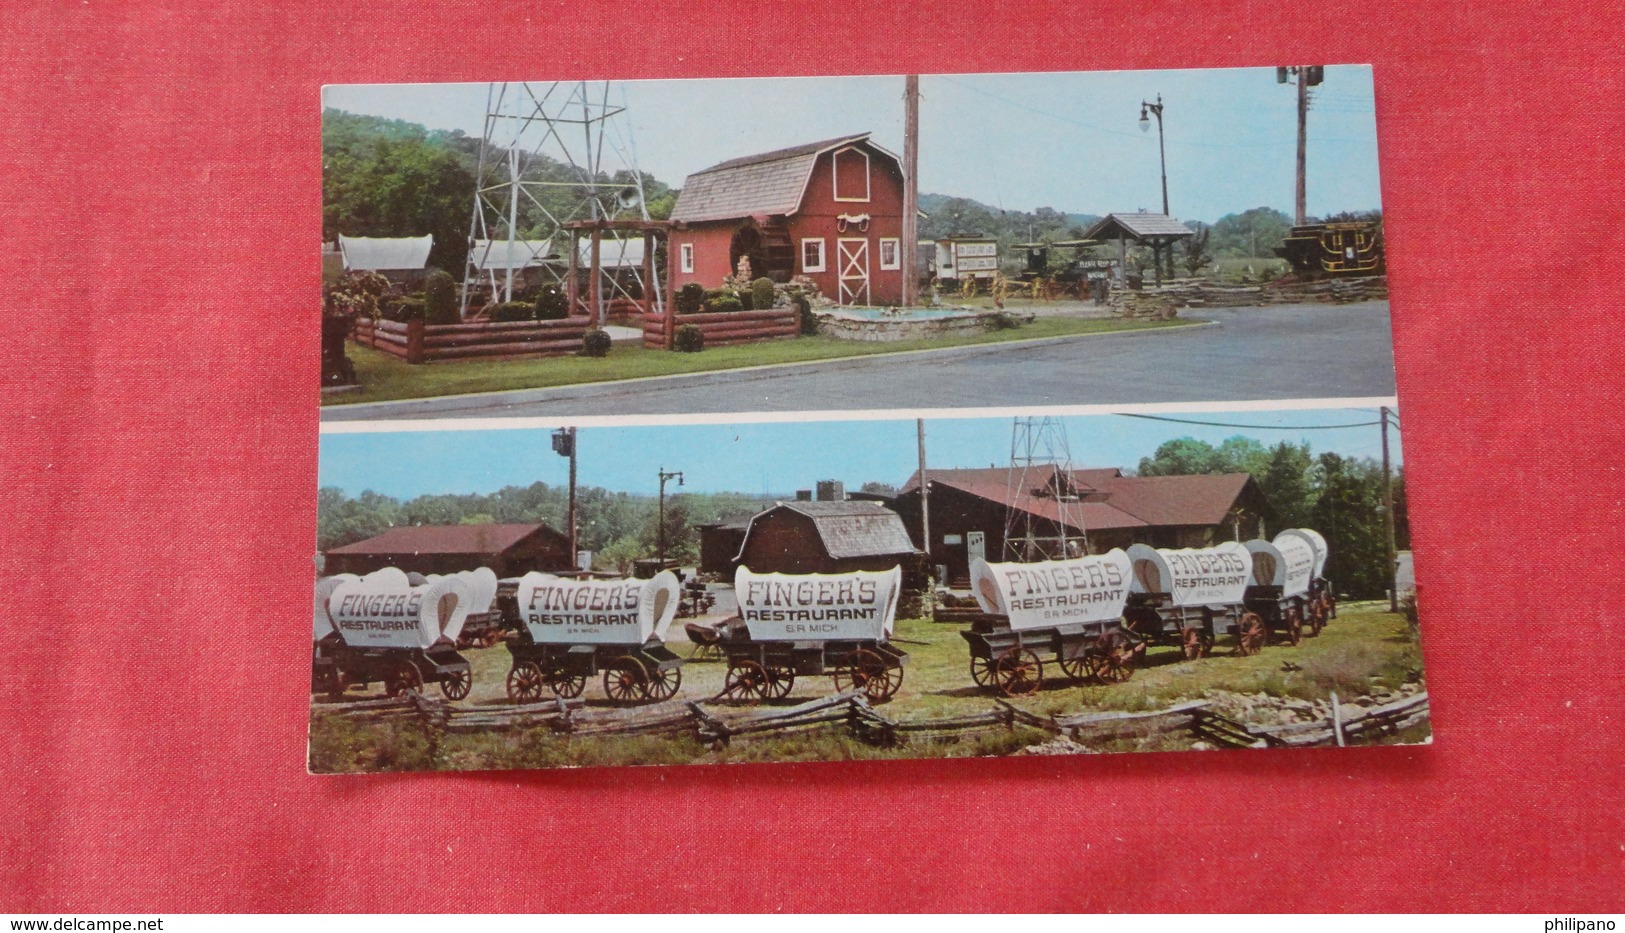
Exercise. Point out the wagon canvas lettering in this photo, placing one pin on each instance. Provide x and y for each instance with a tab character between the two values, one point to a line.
384	610
1193	576
557	609
814	607
1049	593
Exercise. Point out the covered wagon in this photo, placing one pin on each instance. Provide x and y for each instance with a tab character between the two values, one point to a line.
1067	611
792	625
1322	600
1278	591
381	628
568	631
1190	597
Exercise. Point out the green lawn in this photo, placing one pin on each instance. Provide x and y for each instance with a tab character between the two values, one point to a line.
384	377
1365	650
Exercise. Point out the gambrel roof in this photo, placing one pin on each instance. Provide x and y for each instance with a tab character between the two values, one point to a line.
763	184
849	528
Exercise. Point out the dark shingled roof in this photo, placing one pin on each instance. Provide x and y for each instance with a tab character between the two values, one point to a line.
1137	226
852	528
1110	499
763	184
443	539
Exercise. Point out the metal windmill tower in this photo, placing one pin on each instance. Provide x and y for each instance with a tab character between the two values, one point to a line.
1040	480
553	154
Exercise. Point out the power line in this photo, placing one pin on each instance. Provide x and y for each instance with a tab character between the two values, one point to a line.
1255	427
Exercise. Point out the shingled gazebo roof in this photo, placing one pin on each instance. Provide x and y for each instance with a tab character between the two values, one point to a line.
1138	226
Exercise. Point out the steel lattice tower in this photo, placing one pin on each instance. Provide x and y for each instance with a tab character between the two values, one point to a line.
1041	473
552	154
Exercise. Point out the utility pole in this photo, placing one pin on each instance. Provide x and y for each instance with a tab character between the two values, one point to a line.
925	493
1307	77
911	188
1388	518
660	548
564	444
1162	159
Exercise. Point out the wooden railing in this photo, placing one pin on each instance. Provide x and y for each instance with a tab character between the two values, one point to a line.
417	342
726	328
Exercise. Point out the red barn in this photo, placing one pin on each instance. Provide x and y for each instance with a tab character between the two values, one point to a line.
831	211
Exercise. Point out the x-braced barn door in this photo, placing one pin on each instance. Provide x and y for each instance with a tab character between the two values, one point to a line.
852	257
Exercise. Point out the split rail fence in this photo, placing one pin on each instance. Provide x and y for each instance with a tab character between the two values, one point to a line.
716	724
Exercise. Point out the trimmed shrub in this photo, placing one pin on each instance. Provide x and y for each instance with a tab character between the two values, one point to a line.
552	304
1004	321
761	294
440	298
689	339
510	311
595	342
746	303
402	310
690	298
724	305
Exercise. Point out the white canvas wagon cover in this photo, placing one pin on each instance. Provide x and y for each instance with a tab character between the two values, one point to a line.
558	610
384	610
1288	562
1045	594
385	254
1315	541
1204	576
860	605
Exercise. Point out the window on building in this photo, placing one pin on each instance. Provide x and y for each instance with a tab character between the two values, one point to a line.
890	251
687	250
851	167
812	255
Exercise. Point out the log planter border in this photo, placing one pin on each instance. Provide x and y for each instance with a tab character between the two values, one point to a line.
728	327
417	342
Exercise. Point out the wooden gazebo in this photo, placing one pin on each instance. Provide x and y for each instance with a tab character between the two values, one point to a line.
625	234
1157	230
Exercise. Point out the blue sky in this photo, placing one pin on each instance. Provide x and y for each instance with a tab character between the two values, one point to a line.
780	457
1017	141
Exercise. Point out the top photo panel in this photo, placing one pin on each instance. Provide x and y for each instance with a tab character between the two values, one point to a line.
571	249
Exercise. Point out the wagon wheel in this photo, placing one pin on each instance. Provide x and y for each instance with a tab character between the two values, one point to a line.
1250	634
1294	626
401	678
566	684
457	684
863	670
746	680
1194	642
1110	659
625	680
1018	673
525	682
780	678
981	671
1074	667
663	684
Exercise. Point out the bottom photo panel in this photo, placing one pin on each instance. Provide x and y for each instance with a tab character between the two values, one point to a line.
515	595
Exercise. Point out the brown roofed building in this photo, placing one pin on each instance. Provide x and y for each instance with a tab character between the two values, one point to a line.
826	537
509	550
969	509
830	210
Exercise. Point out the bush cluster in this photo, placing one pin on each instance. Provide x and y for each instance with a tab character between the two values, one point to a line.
552	304
804	312
401	309
761	294
690	298
507	312
595	342
689	339
725	304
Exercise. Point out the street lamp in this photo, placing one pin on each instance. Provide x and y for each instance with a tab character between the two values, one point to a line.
660	550
1147	111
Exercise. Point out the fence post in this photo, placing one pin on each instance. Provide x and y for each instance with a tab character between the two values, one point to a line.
414	340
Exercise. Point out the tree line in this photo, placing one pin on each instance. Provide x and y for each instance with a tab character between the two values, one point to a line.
1338	496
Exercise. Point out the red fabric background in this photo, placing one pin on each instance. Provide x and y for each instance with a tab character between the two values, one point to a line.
160	193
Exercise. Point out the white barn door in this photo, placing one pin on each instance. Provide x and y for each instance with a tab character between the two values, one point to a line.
852	264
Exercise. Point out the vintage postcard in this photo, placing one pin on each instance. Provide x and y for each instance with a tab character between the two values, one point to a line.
866	417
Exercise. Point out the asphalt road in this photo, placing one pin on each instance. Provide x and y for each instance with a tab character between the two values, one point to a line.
1245	354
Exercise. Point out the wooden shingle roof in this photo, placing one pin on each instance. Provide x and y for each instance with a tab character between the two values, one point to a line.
763	184
444	539
851	528
1138	226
